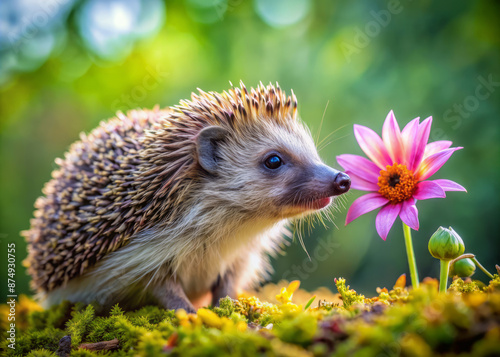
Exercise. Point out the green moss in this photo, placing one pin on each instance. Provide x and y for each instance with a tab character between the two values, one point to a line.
226	307
80	325
349	296
129	333
213	342
462	287
152	343
153	314
86	353
266	319
47	339
299	330
103	329
494	284
420	322
41	353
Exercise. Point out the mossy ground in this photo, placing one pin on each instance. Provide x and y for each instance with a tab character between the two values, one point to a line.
397	322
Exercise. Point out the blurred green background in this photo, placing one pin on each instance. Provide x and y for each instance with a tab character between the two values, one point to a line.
66	65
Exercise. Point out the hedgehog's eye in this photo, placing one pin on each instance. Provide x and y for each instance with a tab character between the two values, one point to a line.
273	162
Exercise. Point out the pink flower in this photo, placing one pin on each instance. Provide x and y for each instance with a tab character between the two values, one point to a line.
401	162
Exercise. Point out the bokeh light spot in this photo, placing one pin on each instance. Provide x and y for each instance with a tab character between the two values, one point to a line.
279	13
110	28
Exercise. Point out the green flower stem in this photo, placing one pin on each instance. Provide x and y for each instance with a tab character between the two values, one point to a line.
463	256
481	267
411	257
473	258
443	279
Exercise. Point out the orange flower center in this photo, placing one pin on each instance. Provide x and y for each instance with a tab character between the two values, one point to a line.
396	183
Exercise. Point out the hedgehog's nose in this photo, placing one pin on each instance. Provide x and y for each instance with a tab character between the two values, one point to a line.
341	183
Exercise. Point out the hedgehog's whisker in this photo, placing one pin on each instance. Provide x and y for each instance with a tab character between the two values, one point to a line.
300	237
324	145
329	135
321	122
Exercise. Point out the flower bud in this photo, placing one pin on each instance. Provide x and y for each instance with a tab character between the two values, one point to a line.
446	244
463	268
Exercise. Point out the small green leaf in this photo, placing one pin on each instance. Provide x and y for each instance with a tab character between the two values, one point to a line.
309	302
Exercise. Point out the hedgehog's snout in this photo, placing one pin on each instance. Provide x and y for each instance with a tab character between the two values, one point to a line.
341	184
334	181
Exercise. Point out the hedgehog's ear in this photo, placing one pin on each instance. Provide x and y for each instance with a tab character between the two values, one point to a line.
207	145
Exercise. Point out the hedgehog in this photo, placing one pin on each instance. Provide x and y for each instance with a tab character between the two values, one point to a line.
166	206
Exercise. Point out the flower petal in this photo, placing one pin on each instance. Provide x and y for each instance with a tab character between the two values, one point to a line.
365	204
408	135
430	165
359	183
385	219
421	140
409	214
372	145
428	189
435	147
391	135
449	185
409	127
359	166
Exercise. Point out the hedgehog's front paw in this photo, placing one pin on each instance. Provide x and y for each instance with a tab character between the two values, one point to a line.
171	302
178	305
190	310
172	297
